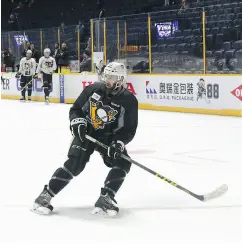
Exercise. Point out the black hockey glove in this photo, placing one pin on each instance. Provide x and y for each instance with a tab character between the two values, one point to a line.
35	76
18	75
79	127
115	149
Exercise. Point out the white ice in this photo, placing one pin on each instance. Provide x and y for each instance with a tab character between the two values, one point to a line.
199	152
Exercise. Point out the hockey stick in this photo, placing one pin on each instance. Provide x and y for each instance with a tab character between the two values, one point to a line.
27	84
206	197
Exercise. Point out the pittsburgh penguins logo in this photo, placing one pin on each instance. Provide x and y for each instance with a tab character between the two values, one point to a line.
26	66
100	115
49	64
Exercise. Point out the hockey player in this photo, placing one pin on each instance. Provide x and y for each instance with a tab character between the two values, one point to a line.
108	112
27	69
202	91
46	67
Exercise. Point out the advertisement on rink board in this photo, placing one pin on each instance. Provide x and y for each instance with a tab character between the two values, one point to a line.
205	94
11	89
74	85
194	92
237	92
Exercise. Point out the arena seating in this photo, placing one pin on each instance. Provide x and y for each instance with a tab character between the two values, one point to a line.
182	52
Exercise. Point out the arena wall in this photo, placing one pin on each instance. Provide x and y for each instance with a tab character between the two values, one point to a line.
203	94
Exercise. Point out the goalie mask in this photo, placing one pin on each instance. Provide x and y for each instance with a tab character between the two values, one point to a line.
114	77
29	54
47	52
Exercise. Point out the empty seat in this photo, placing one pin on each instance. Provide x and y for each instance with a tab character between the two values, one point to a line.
226	33
170	40
222	17
218	41
209	54
179	39
181	47
196	31
213	18
162	48
230	16
154	48
234	5
237	10
177	33
238	54
229	54
209	42
228	10
215	30
187	32
226	46
171	47
237	45
218	55
221	23
194	25
198	39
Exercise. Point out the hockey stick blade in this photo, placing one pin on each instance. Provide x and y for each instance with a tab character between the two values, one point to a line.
216	193
204	198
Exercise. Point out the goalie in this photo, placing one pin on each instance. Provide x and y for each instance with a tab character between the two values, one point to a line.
108	112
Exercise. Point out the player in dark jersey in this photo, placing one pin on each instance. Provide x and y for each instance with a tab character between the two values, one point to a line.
108	112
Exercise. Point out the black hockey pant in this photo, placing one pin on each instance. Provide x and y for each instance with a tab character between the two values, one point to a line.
78	155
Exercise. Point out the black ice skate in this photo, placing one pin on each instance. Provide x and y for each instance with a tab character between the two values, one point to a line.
42	203
29	99
105	205
22	99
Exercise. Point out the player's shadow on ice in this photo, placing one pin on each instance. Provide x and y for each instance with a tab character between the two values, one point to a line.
84	213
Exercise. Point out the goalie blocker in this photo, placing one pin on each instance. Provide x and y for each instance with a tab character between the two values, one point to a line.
109	112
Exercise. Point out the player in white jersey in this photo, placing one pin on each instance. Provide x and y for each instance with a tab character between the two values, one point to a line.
46	67
26	71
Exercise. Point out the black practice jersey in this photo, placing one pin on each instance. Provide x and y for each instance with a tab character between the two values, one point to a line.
110	117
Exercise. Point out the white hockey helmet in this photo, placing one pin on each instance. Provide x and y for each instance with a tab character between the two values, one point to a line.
115	75
29	54
47	52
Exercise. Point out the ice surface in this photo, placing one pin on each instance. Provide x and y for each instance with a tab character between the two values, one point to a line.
199	152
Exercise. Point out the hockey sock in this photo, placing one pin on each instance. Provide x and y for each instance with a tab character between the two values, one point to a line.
47	92
114	180
60	179
29	92
23	92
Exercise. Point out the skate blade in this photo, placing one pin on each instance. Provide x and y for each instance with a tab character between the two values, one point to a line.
100	212
40	210
47	103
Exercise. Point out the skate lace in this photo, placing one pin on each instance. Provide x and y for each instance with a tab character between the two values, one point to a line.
110	200
46	196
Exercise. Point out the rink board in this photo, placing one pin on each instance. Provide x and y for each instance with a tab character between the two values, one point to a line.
10	88
214	94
